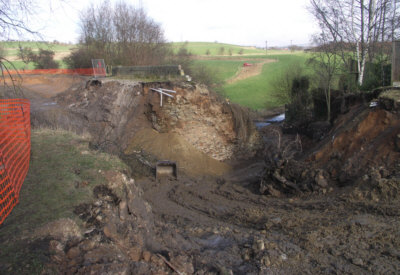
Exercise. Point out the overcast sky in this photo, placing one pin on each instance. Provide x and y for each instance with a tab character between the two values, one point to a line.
249	22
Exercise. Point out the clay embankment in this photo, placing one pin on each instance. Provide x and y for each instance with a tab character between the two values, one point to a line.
195	129
223	224
361	141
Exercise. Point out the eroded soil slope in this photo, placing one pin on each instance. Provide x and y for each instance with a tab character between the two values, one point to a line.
309	219
118	113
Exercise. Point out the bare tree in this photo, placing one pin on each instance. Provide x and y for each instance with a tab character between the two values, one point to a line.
358	24
327	64
15	21
14	15
25	54
122	34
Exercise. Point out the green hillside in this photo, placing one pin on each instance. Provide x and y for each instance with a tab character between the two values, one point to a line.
200	48
11	47
11	52
255	92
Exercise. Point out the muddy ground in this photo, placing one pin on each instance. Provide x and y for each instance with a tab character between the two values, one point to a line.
229	224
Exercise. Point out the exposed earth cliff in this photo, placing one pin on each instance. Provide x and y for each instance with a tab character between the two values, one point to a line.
323	203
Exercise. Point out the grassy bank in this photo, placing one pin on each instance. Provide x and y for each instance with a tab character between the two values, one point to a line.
62	174
256	92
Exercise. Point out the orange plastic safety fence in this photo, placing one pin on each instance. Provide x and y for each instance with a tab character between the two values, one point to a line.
15	148
83	71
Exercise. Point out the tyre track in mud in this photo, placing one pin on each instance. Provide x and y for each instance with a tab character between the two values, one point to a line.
219	223
208	203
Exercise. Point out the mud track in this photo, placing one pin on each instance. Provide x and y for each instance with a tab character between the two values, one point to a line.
222	225
225	225
250	71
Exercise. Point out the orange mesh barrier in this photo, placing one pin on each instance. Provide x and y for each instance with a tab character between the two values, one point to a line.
15	147
84	71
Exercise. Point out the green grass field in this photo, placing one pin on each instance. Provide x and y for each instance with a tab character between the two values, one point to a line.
200	48
11	47
255	92
11	52
225	68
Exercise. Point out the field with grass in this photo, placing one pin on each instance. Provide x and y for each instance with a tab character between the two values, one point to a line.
11	52
200	48
62	174
225	68
254	92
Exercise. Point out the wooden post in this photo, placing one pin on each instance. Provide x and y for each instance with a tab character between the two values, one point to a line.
396	63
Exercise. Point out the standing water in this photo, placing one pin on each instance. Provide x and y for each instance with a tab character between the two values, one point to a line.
275	119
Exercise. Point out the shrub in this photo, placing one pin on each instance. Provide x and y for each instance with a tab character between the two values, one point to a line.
282	84
45	60
25	54
79	58
297	112
2	52
205	75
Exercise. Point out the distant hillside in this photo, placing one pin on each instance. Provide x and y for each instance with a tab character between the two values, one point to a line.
11	47
200	48
62	50
11	51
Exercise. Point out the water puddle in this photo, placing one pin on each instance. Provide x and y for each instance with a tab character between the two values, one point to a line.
275	119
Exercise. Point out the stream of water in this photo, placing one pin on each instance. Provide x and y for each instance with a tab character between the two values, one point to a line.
275	119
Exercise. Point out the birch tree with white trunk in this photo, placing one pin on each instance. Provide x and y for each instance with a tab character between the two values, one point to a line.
357	25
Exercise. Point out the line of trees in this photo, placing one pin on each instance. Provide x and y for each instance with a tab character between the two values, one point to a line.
353	51
121	34
360	27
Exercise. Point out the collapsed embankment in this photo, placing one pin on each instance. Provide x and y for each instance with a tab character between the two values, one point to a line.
362	141
195	128
219	225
